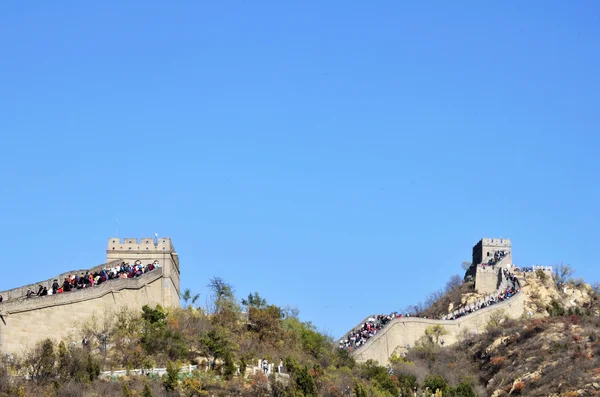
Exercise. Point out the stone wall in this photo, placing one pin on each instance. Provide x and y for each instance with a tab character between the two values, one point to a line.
61	316
401	332
29	320
19	292
487	280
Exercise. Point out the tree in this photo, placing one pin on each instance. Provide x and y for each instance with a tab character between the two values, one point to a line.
435	332
453	283
41	361
359	390
435	382
126	338
466	265
562	274
171	378
189	298
305	382
255	300
267	322
464	389
157	337
380	376
407	383
215	345
222	294
496	318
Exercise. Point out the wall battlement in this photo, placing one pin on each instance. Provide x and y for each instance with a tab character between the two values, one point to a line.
143	244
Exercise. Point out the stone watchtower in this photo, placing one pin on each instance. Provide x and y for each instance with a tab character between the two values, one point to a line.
486	267
148	250
484	250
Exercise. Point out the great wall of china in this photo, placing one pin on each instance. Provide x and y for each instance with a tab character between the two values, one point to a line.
403	332
25	321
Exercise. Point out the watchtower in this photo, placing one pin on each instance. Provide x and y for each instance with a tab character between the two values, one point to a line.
485	249
149	250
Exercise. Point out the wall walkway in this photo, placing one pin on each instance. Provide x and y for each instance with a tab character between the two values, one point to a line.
29	320
404	331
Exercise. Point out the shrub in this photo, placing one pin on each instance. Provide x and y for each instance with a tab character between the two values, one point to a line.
518	387
147	392
556	309
435	382
539	273
171	378
496	361
464	389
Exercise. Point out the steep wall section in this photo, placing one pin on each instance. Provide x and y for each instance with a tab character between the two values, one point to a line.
19	293
27	321
407	330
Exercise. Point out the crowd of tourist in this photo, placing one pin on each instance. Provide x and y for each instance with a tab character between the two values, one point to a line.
534	268
375	324
498	256
91	279
366	331
501	295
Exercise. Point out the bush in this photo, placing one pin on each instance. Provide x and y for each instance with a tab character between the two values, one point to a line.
171	378
435	382
555	309
305	382
463	389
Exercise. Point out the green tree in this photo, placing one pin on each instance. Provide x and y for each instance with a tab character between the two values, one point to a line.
380	376
126	338
360	391
435	332
305	382
464	389
189	300
267	322
229	366
255	300
215	345
41	361
92	368
556	309
435	382
344	359
407	383
157	337
171	378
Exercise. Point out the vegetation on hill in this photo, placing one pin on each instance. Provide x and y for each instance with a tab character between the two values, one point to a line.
559	353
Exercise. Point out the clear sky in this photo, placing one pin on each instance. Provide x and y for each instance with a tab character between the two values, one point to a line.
342	158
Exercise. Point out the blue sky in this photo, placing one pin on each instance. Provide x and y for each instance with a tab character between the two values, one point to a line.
342	158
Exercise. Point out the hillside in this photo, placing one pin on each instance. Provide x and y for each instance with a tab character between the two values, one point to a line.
555	351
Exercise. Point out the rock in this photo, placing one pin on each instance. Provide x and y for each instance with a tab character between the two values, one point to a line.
596	385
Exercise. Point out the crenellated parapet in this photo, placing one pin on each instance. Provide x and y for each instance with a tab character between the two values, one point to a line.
162	244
